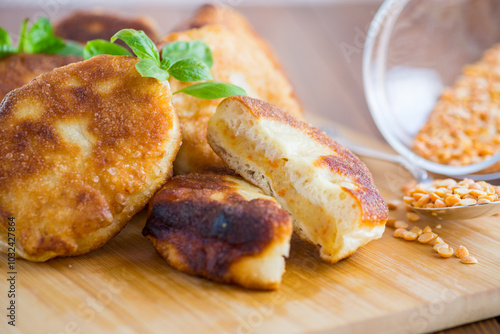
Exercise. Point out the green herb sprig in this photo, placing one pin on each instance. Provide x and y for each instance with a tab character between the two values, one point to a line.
39	38
185	61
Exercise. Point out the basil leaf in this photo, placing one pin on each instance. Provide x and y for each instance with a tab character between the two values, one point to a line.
149	68
139	42
22	36
100	46
165	64
40	30
49	46
212	90
5	37
192	49
41	39
184	69
71	49
6	50
190	69
6	47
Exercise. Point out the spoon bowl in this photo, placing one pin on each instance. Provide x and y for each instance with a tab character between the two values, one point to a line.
461	212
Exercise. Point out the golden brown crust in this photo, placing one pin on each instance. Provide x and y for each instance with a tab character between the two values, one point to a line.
83	26
19	69
83	148
343	162
210	225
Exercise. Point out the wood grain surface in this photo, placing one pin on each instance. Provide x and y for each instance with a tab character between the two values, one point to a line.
389	286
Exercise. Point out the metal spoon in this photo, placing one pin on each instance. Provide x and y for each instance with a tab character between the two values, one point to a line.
421	176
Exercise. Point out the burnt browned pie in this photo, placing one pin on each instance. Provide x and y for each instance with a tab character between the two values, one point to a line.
83	148
216	225
84	26
240	57
19	69
328	191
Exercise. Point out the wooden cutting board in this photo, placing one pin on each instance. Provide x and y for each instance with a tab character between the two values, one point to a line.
388	286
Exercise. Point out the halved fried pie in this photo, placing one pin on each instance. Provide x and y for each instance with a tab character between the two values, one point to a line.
328	191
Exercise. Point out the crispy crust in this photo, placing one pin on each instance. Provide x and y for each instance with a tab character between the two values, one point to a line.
342	161
202	224
83	26
19	69
84	147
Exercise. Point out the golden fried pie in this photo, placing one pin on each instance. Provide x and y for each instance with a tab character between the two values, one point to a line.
214	224
19	69
328	191
241	58
84	26
83	148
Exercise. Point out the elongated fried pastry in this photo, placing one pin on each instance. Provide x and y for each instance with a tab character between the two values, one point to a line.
83	148
216	225
328	191
241	58
84	26
19	69
211	14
